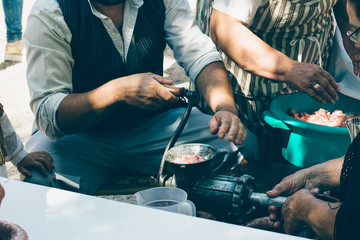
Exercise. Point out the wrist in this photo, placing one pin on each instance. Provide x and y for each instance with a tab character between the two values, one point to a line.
321	218
226	108
283	74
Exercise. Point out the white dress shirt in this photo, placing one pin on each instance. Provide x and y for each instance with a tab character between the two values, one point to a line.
50	62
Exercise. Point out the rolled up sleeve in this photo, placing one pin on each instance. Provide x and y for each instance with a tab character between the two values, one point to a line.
49	72
12	141
193	50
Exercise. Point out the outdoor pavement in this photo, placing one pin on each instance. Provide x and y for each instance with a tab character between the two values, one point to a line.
14	94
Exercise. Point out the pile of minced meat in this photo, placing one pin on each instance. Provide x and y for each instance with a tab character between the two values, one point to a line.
324	117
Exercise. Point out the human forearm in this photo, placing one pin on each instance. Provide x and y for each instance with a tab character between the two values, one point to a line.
215	88
322	176
81	111
247	50
327	174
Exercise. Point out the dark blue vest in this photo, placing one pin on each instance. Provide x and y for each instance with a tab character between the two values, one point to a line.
96	60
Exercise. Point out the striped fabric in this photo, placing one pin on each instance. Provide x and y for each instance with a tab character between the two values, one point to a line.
97	61
301	29
289	27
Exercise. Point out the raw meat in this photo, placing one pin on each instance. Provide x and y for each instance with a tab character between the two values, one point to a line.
187	159
324	117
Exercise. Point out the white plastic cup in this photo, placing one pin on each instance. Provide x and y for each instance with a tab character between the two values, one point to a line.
169	199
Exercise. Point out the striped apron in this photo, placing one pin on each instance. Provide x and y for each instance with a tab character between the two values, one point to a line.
301	29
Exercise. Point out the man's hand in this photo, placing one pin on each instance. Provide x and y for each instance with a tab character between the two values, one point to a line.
303	208
146	91
305	178
311	180
225	122
295	211
40	160
314	81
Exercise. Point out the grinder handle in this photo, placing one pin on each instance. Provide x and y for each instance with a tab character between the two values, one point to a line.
261	199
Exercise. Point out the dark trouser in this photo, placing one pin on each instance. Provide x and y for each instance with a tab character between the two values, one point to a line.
83	162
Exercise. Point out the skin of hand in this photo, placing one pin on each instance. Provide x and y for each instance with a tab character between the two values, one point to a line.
304	76
40	160
79	112
255	56
317	178
302	208
214	85
2	193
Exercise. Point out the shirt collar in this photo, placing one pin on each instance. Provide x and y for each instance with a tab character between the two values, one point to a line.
134	3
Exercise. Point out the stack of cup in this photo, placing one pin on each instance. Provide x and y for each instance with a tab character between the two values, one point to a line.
353	126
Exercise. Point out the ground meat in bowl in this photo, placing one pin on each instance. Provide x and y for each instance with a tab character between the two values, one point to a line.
188	159
324	117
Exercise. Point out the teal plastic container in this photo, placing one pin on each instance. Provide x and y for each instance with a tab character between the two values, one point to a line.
305	144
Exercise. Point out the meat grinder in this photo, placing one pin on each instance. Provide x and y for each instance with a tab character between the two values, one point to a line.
209	190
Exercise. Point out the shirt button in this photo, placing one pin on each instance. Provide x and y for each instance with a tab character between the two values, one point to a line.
113	34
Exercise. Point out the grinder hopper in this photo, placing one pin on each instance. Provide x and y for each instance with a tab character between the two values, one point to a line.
186	175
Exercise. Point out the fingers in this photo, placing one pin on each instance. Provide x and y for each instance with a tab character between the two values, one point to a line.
40	160
330	84
165	94
228	124
24	172
314	81
162	80
237	133
324	89
279	189
46	160
224	126
214	126
314	95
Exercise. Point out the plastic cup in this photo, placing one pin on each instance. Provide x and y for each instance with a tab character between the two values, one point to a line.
169	199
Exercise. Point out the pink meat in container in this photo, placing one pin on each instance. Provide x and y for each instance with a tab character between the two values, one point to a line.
305	144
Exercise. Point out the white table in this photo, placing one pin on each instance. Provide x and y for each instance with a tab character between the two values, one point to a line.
53	214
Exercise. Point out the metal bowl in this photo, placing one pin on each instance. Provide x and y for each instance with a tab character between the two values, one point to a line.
207	152
186	175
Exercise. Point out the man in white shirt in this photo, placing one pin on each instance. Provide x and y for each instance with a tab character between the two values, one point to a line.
94	73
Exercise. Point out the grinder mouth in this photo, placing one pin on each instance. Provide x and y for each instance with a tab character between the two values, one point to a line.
205	151
187	174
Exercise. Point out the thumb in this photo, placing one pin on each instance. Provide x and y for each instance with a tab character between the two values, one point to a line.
277	190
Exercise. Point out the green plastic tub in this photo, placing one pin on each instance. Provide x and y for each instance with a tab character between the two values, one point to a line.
305	144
